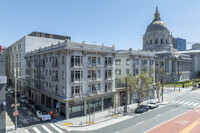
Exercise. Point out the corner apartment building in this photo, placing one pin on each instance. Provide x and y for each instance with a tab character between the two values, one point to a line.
15	54
3	81
77	77
132	62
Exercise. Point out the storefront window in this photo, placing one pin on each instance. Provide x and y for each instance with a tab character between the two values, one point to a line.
76	110
108	102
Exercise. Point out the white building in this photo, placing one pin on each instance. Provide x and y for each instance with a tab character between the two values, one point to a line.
158	39
71	74
134	62
15	54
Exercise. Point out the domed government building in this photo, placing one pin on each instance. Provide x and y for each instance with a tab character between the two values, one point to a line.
158	39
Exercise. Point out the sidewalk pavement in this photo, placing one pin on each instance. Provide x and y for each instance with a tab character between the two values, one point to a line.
105	118
9	123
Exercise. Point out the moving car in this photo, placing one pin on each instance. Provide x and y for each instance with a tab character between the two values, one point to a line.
141	109
23	99
43	115
152	105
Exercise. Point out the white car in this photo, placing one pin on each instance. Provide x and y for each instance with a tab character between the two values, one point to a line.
153	105
10	90
43	115
23	99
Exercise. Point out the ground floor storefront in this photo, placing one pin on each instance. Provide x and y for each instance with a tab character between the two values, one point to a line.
132	96
71	107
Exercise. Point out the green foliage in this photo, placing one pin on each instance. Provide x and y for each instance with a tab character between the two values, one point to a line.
138	83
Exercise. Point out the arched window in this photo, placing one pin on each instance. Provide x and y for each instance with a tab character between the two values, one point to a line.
166	41
161	41
150	41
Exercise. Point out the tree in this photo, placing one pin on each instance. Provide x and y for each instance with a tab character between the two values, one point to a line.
139	83
160	82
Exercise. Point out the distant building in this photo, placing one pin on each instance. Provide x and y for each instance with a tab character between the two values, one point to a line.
181	44
3	81
15	54
196	46
78	76
132	62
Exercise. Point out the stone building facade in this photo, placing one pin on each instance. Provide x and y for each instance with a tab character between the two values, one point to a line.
132	62
15	55
78	76
158	39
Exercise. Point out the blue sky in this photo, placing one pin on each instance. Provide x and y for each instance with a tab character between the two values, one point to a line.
113	22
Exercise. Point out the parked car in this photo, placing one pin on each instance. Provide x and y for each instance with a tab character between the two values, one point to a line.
11	91
35	108
23	99
152	105
30	103
18	94
141	109
43	115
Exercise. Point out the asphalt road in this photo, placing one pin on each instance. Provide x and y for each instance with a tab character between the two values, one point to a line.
143	122
140	123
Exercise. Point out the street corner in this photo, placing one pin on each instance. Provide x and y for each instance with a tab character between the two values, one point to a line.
67	124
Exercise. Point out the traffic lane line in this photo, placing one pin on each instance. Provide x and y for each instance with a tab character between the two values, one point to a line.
177	124
190	127
196	129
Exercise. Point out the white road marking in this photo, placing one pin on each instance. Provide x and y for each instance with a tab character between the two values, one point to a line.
139	123
158	115
190	103
49	131
60	131
186	103
26	131
181	102
176	101
68	129
195	104
36	130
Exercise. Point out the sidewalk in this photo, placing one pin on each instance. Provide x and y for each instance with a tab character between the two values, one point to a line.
106	118
9	123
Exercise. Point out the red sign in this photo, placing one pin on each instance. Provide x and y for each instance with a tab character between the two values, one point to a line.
15	113
0	49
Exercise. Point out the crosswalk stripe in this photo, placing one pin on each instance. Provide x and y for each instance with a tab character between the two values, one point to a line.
36	130
49	131
26	131
190	103
176	101
195	104
186	103
181	102
60	131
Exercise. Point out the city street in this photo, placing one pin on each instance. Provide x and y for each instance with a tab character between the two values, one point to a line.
173	115
28	119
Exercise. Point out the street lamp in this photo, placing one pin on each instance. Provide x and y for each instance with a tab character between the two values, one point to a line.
125	107
16	98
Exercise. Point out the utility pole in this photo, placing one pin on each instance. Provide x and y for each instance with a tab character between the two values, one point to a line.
16	103
125	107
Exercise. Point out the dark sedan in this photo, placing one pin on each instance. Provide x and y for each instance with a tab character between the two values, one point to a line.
141	109
36	108
30	103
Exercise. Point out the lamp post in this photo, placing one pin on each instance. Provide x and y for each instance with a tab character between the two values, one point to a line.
16	98
125	107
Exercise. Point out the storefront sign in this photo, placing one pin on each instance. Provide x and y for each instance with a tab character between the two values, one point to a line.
3	79
71	103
